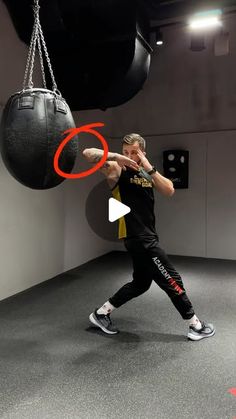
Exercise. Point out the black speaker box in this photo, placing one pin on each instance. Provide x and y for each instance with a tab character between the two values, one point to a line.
175	165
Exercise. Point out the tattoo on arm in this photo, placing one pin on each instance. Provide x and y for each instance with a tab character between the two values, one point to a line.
96	156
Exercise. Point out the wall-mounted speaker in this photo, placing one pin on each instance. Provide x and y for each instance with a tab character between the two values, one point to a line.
197	42
175	165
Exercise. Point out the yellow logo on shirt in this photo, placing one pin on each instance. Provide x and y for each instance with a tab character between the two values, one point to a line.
141	181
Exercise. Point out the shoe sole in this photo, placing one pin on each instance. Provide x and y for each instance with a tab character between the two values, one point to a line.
200	337
94	321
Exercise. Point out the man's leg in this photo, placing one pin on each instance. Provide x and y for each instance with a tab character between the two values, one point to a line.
142	279
166	276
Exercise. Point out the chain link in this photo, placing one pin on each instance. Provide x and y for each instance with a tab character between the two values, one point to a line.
41	63
29	58
54	85
37	38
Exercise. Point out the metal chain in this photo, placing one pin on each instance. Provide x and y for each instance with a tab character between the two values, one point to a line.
29	58
54	85
41	63
38	38
31	68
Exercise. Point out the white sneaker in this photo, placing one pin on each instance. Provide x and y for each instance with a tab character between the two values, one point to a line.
206	331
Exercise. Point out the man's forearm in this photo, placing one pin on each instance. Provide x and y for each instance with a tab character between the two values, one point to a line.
94	155
162	184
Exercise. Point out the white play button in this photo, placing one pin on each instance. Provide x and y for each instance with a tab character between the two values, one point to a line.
116	210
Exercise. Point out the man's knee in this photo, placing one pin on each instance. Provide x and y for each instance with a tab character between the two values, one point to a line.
139	287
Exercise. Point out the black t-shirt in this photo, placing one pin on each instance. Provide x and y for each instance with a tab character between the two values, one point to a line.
135	189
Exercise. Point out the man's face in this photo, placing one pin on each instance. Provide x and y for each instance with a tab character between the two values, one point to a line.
130	150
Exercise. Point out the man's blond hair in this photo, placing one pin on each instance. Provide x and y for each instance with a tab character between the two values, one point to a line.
132	138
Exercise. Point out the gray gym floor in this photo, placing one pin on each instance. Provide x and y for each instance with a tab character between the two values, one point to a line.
55	365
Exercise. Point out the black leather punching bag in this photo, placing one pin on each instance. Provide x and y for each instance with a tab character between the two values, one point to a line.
33	123
31	130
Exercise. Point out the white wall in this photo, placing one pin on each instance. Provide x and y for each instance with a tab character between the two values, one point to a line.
221	198
32	234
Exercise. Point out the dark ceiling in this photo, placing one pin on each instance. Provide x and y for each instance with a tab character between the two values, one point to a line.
99	49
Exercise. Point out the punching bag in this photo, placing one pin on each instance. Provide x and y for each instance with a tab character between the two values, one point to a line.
33	123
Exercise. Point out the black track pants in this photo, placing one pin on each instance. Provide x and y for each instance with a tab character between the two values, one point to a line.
151	263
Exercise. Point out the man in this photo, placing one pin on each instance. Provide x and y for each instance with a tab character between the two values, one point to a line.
132	178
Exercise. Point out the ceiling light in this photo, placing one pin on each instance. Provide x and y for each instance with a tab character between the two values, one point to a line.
159	37
205	20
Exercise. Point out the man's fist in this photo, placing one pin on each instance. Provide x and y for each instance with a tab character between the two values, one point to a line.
126	161
145	162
